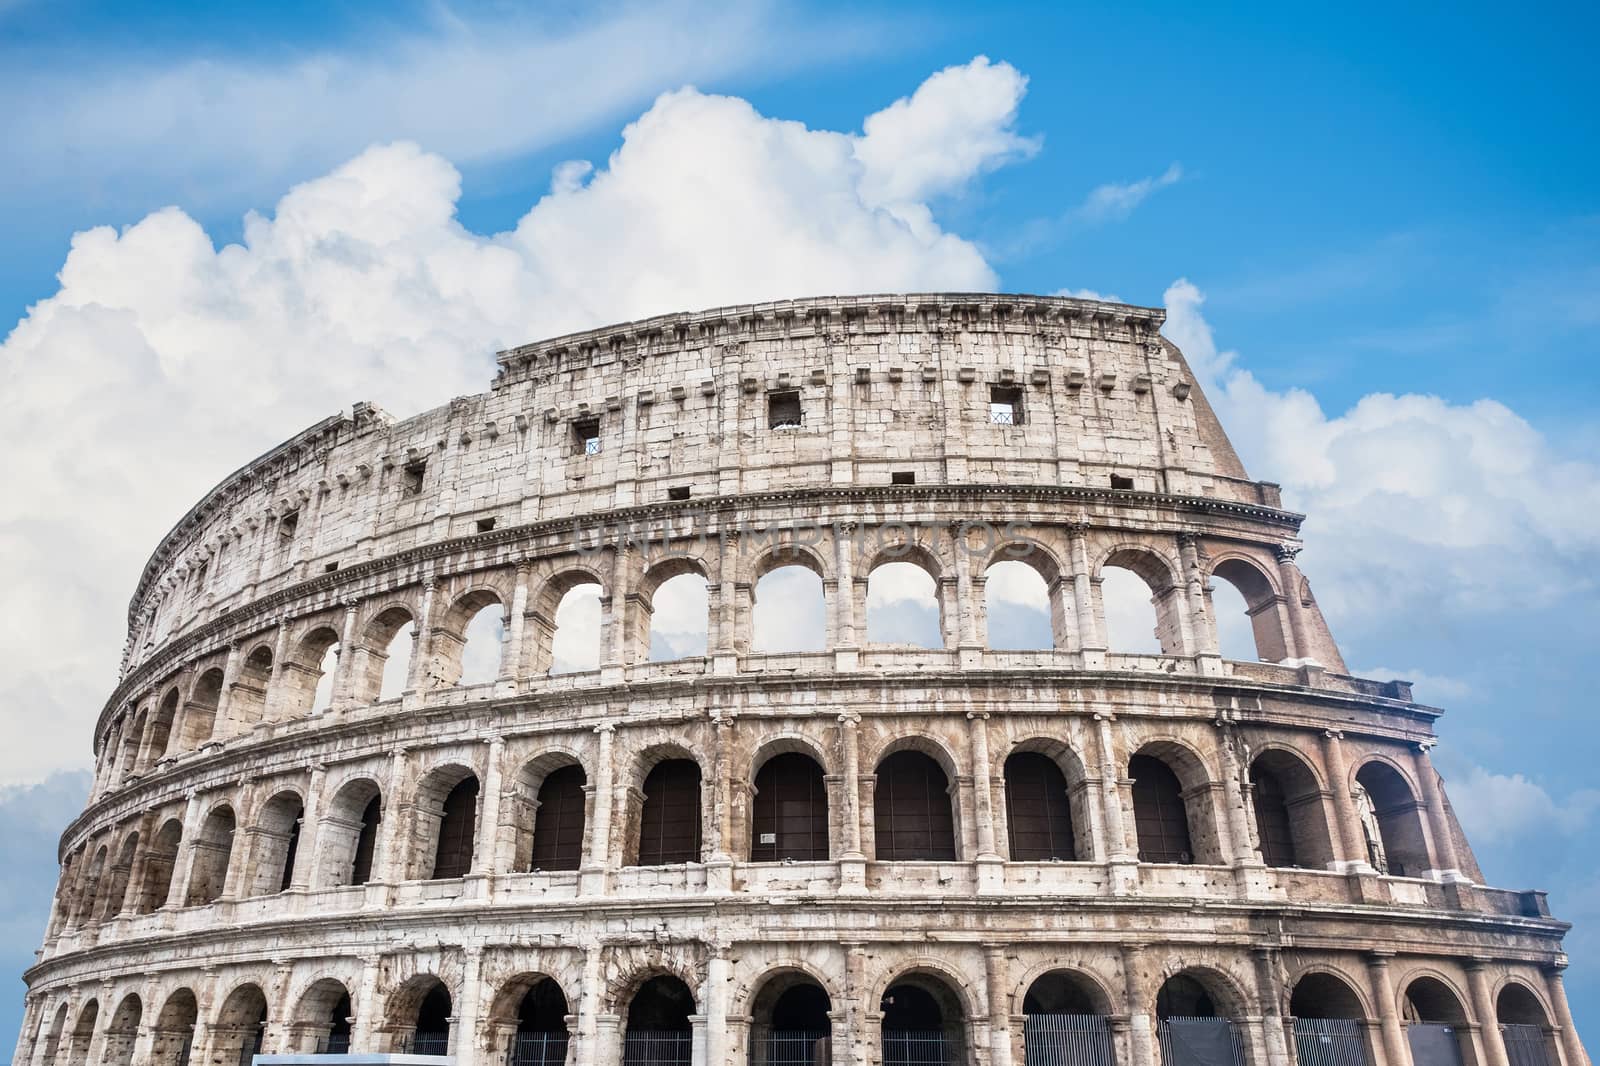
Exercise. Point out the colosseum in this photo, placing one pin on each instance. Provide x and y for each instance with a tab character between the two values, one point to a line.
402	767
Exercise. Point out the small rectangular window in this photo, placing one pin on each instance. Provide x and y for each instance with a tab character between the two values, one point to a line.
1005	405
413	475
329	568
783	410
287	525
586	436
678	492
485	524
903	477
1120	482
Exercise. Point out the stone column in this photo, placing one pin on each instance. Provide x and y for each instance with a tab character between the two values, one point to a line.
365	1030
716	999
997	972
1494	1045
1395	1048
1351	838
1238	818
467	1038
305	859
389	862
1289	582
845	635
272	702
990	872
1090	640
1267	995
1444	843
421	642
719	860
852	863
969	641
1123	861
589	1010
1141	1026
1557	990
344	667
275	1040
599	858
615	627
859	1040
513	664
484	858
225	725
183	862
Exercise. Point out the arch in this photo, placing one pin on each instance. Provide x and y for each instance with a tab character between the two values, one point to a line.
247	700
132	738
1076	778
419	1016
159	861
213	851
241	1024
1320	995
1175	817
444	841
323	1018
1195	1011
528	1020
1024	603
1126	609
348	834
788	605
670	814
1039	815
174	1029
387	643
678	585
52	1040
789	1022
913	812
1268	633
467	645
1291	821
657	1027
1517	1004
1524	1026
1392	821
559	820
789	810
83	1033
89	887
200	712
1430	1000
903	605
923	1019
122	1032
1065	1018
160	729
568	623
115	896
276	843
306	678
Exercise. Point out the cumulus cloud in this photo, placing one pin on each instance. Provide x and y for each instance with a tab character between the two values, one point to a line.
163	361
1495	808
1411	499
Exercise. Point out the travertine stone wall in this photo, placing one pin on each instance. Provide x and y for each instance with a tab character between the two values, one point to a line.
229	881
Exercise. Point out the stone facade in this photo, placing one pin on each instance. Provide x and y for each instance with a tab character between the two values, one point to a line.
255	870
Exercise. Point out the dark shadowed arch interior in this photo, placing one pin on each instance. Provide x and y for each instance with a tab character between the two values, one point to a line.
159	860
789	1022
1401	847
122	1033
1160	814
558	823
174	1031
458	820
540	1036
913	819
213	850
1038	811
1327	1022
669	815
431	1036
658	1031
789	810
922	1022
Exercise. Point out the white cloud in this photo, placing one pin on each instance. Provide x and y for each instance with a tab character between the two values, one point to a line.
163	362
1428	687
1495	808
1117	200
1411	499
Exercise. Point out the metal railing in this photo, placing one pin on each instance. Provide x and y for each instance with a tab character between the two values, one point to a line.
917	1047
1525	1045
537	1049
796	1047
1199	1042
1330	1042
657	1047
1067	1040
1002	416
425	1043
333	1044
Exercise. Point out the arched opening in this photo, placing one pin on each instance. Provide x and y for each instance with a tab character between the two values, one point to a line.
1160	813
1524	1027
1391	819
575	630
1139	605
482	644
89	887
1016	607
537	1008
241	1026
1190	1027
789	611
913	820
324	1018
174	1031
558	822
306	680
52	1039
1250	625
922	1022
1039	822
1291	824
1065	1020
349	835
789	1023
131	742
430	1031
247	700
447	823
123	1032
161	729
277	843
789	810
659	1032
384	663
213	849
159	860
1435	1023
669	816
115	896
200	713
679	612
903	606
83	1034
1327	1022
395	667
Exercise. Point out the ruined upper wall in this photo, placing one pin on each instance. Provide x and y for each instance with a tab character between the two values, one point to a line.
884	385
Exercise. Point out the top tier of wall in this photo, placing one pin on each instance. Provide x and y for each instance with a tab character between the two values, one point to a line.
886	386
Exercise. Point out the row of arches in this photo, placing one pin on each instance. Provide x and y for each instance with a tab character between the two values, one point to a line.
1016	595
1051	813
923	1014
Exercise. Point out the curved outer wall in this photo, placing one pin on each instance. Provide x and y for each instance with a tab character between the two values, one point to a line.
206	896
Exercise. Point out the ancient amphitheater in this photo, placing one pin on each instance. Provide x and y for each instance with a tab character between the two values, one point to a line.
322	826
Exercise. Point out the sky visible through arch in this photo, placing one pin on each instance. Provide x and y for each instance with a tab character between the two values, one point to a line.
1376	235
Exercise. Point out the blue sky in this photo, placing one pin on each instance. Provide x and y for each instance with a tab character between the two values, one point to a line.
1364	201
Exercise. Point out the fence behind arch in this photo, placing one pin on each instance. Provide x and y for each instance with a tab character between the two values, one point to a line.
1067	1040
1330	1042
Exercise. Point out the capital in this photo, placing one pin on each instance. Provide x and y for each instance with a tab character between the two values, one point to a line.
1287	553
